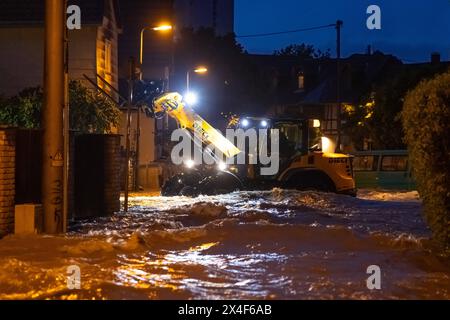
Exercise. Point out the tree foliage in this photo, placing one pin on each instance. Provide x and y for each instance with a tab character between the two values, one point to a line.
90	112
426	119
377	118
302	51
232	83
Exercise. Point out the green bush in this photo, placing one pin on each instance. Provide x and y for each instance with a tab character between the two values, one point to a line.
426	123
22	110
90	112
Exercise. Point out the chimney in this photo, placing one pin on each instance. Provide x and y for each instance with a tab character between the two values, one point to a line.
435	58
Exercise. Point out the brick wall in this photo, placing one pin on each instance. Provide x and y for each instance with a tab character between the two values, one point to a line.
7	180
112	176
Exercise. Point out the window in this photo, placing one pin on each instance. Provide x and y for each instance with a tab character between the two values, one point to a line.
301	81
365	163
394	163
291	138
108	56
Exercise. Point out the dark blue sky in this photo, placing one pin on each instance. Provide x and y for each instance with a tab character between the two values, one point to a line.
411	29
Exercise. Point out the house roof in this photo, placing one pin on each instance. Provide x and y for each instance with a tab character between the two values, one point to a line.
32	12
358	72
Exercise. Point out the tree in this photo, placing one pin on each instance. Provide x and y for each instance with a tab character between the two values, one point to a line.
90	112
426	118
232	83
377	117
302	51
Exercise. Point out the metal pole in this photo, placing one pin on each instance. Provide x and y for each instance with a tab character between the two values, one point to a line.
141	52
188	80
52	118
132	67
138	138
339	24
66	130
171	74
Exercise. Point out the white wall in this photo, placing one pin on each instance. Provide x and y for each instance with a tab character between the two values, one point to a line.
22	57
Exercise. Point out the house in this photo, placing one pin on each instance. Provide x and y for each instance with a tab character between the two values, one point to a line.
92	50
307	88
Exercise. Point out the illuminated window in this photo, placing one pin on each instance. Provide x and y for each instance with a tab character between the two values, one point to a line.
108	56
301	81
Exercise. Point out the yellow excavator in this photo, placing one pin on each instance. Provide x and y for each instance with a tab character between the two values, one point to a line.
303	161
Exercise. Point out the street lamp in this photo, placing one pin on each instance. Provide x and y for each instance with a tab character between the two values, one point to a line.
198	70
161	28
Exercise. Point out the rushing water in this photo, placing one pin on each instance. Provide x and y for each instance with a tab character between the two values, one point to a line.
247	245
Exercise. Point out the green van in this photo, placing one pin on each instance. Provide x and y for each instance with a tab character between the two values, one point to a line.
385	169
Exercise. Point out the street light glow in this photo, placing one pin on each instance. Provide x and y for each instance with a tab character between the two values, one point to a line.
163	28
201	70
191	98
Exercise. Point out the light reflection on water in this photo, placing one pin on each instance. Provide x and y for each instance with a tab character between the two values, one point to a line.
249	245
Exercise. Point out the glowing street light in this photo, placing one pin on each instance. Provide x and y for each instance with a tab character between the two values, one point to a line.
161	28
201	70
198	70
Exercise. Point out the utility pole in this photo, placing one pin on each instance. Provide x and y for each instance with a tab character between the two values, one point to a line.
132	74
339	24
52	117
66	115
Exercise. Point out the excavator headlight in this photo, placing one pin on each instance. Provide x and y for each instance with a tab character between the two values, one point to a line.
222	166
191	98
189	164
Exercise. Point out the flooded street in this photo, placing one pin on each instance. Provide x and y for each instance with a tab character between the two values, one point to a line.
248	245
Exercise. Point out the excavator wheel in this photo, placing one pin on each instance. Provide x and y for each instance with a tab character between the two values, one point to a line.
183	184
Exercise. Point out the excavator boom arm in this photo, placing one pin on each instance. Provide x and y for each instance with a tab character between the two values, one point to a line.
172	104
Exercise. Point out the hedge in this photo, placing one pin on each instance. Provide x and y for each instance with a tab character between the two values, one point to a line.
426	123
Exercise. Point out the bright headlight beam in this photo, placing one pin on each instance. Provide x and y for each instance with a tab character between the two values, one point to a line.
222	166
191	98
189	164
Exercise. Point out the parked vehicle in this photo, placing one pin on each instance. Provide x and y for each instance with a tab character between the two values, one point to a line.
384	169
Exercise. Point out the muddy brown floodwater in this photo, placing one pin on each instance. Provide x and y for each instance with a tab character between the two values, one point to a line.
248	245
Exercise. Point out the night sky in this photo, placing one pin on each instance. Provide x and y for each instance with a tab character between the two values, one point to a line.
411	29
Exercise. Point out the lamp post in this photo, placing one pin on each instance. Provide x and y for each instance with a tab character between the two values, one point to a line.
161	28
339	24
198	70
52	118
